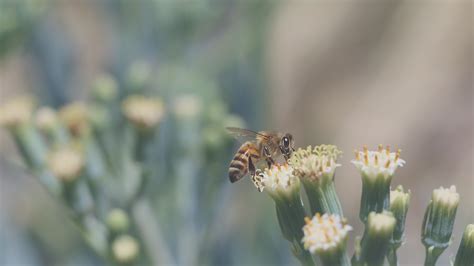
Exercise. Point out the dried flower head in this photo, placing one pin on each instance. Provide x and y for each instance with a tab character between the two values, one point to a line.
125	248
377	163
75	117
46	118
16	112
325	233
143	112
276	180
66	163
446	197
315	163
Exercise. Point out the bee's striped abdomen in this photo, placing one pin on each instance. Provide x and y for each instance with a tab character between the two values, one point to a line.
239	166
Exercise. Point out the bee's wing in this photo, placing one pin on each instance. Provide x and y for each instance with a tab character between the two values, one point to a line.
243	135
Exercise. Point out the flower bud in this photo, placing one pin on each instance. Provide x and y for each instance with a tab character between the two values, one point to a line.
438	222
105	88
399	201
465	254
187	106
75	118
125	248
376	239
117	220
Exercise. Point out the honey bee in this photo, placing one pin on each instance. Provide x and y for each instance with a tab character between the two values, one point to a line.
257	146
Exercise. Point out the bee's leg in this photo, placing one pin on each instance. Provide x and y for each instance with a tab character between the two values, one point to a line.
270	161
251	168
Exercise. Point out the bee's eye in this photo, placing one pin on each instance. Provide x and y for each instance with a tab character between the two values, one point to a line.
286	142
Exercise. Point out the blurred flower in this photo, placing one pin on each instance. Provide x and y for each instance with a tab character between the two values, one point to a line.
46	119
75	117
278	181
465	254
143	112
16	112
117	220
315	167
377	169
66	163
125	248
325	234
105	88
139	73
187	106
377	164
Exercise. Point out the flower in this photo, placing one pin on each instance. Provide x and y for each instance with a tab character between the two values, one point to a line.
315	167
125	248
277	180
46	119
118	220
75	117
143	112
446	197
314	163
326	232
66	163
16	112
187	106
382	162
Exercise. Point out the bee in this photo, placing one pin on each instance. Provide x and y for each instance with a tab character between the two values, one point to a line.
257	146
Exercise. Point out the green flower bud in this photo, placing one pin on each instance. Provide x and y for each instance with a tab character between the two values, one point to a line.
438	222
143	112
376	239
465	254
399	200
117	220
105	88
377	169
315	167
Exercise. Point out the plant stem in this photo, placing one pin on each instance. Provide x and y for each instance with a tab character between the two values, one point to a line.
392	257
432	255
323	198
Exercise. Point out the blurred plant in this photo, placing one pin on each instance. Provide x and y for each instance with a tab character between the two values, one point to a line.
382	211
17	18
100	156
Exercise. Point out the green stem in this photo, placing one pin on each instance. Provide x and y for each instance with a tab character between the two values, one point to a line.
337	259
432	255
392	257
323	198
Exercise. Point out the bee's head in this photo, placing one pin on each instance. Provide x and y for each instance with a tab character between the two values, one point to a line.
287	145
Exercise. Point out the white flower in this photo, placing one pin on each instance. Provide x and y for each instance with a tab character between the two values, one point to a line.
17	111
66	163
46	119
323	233
276	180
75	117
315	163
125	248
446	197
143	112
377	163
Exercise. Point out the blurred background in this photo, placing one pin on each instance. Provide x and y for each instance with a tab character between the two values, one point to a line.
347	73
